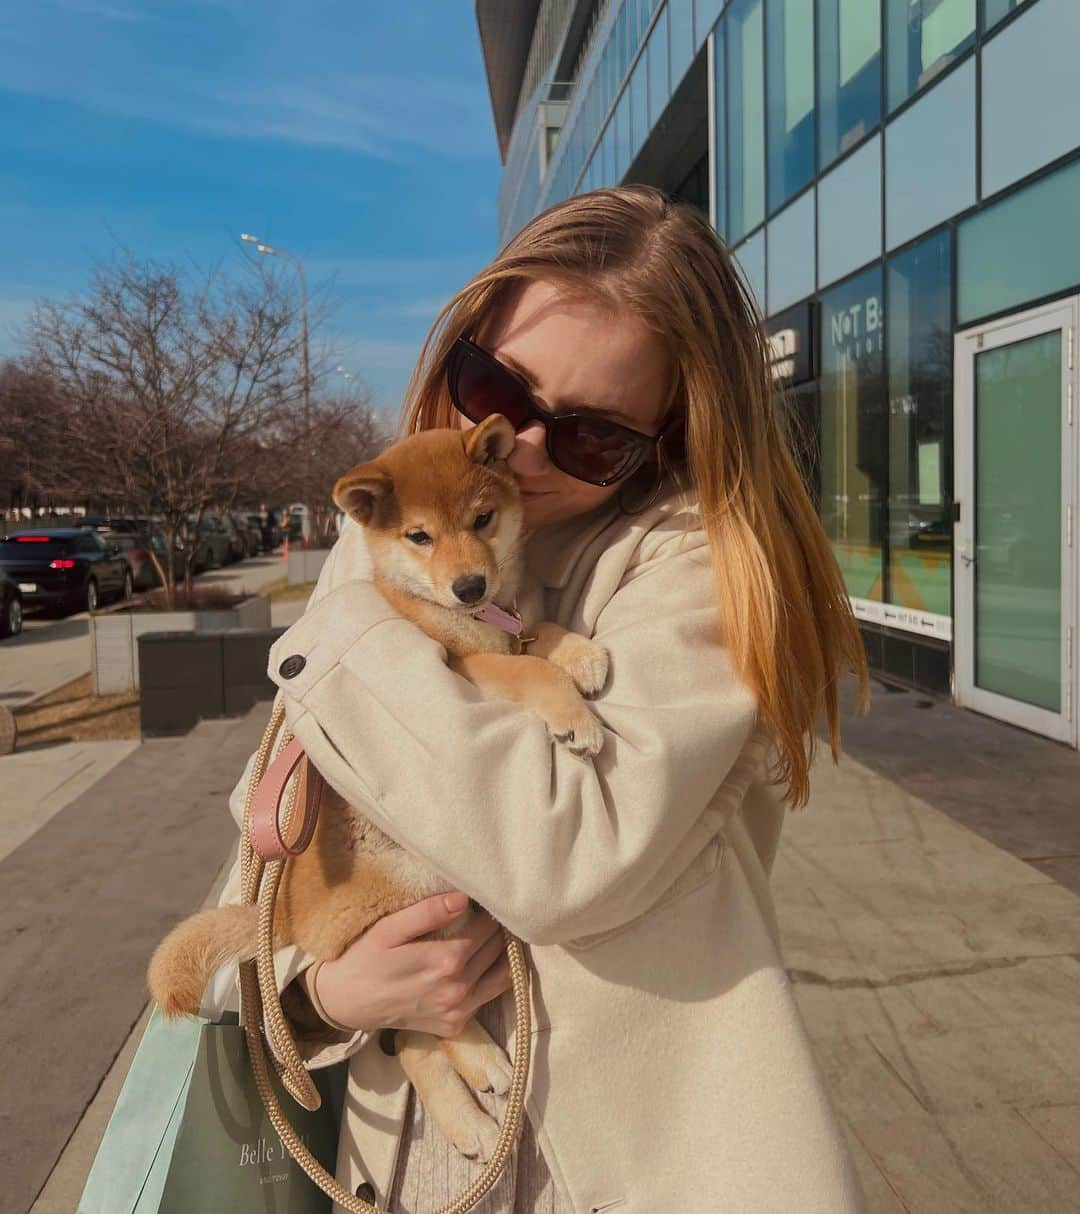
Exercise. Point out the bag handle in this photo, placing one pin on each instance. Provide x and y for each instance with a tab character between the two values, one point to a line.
261	1003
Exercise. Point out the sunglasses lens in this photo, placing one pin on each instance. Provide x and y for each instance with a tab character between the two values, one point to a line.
592	450
481	389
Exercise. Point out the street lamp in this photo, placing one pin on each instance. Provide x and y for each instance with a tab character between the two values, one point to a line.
276	251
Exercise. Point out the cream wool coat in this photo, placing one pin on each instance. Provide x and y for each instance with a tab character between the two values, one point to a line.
670	1067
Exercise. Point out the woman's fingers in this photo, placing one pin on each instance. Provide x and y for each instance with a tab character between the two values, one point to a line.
483	959
491	985
429	915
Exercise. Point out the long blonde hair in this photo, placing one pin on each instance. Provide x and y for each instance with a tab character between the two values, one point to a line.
786	618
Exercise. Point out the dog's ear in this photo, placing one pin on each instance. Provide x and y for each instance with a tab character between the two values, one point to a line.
358	491
493	439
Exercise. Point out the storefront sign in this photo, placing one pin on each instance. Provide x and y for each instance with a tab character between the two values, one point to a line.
858	331
791	346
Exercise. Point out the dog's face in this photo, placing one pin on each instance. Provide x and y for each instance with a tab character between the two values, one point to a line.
442	513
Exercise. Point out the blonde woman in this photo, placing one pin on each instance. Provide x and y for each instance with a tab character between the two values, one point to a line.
670	1068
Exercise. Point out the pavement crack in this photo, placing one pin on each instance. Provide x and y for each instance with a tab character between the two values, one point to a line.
812	978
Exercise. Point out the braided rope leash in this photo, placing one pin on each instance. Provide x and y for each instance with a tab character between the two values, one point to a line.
260	1002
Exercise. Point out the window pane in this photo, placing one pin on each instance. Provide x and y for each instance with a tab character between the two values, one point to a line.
622	136
849	69
791	253
720	132
1021	248
746	117
791	97
994	10
750	256
1018	521
849	213
1025	127
639	108
924	36
933	140
658	69
706	13
920	457
681	19
853	430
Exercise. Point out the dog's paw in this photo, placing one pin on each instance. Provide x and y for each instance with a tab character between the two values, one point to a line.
476	1135
587	664
578	730
479	1061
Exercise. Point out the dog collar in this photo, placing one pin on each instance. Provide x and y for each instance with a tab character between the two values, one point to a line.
508	621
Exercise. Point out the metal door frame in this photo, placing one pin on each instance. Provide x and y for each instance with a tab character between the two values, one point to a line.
1061	315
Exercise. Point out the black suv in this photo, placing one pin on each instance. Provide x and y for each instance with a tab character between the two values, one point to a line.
65	568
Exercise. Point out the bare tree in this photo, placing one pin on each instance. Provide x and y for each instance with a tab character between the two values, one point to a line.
167	378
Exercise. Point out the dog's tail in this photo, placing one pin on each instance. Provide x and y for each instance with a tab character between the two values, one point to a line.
185	961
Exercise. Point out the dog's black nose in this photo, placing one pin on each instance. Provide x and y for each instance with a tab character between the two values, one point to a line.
470	589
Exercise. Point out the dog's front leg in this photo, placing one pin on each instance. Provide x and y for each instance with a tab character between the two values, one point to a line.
440	1069
585	661
542	686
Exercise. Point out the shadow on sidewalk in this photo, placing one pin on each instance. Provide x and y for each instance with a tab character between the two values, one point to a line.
1014	788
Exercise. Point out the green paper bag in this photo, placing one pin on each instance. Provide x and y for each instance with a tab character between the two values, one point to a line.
189	1132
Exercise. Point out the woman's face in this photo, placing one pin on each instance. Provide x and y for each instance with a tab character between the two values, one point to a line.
577	355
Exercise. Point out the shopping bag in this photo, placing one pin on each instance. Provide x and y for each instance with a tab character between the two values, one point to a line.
189	1132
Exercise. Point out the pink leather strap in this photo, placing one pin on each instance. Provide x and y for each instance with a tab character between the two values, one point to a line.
265	827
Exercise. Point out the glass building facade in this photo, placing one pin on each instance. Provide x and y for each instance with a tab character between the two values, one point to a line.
898	181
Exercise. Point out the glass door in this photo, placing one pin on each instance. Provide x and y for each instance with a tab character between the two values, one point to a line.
1015	556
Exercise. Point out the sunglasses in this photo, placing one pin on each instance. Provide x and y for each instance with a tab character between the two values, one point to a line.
584	446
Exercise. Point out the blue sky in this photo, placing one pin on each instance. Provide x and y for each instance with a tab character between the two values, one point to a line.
356	133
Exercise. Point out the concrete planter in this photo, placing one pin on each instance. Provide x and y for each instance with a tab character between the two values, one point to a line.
114	637
187	677
305	564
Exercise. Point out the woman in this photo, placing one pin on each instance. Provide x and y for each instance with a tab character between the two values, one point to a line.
670	1069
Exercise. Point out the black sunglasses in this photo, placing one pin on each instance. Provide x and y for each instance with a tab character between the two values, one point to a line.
584	446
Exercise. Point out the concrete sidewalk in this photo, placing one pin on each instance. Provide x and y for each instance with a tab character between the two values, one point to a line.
938	974
83	902
35	784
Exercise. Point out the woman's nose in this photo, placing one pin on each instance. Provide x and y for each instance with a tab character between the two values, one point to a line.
529	456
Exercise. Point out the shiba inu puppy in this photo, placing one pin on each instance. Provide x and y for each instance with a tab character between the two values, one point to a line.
444	526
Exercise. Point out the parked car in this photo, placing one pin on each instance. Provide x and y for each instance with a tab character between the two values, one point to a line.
251	532
10	607
136	547
238	540
212	545
65	568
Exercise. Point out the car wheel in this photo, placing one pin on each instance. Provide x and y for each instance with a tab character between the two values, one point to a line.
11	623
91	603
129	586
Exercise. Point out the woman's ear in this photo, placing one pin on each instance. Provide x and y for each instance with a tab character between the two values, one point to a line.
493	439
360	489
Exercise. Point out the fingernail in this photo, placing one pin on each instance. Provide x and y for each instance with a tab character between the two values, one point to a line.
455	903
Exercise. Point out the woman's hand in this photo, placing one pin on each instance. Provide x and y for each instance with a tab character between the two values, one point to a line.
391	978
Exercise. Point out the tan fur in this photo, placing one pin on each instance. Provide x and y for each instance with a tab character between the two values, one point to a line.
352	874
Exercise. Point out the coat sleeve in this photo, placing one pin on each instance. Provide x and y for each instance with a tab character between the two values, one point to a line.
555	846
318	1043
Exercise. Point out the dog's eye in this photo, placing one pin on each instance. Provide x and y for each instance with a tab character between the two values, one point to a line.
419	537
482	520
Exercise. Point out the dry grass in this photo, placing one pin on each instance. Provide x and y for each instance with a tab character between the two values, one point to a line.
72	713
202	598
282	591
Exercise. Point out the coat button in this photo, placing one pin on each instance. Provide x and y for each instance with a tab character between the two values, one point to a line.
388	1041
292	666
366	1191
